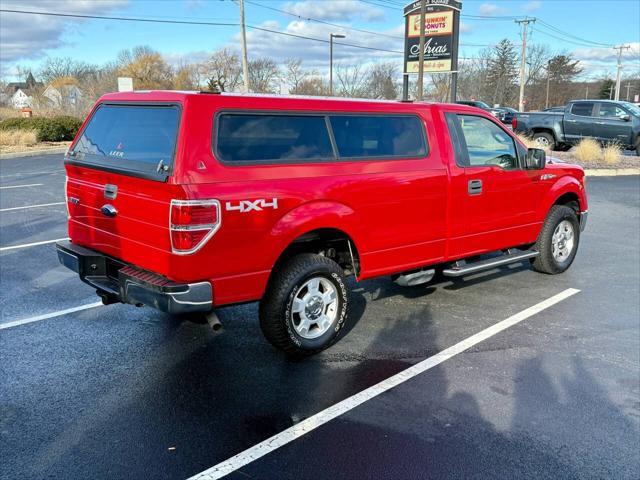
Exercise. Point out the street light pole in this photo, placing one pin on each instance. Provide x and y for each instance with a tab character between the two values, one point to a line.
331	37
243	41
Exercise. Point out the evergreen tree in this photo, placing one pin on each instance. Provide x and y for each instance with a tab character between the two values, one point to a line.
502	73
607	88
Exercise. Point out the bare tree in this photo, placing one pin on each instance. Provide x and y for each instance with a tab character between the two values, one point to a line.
185	77
294	74
65	67
352	80
383	81
222	71
264	75
147	68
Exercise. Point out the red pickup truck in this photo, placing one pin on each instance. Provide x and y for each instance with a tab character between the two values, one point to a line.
188	201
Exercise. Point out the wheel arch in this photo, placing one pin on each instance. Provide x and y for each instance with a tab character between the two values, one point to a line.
567	191
326	228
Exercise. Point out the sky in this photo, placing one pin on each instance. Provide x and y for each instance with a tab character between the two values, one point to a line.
585	28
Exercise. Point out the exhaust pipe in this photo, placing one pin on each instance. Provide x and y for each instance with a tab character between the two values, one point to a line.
213	321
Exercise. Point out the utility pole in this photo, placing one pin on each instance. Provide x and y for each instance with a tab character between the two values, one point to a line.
331	37
586	95
546	102
525	24
243	38
619	48
423	9
628	87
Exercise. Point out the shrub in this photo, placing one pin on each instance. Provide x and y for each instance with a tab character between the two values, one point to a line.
588	150
54	129
18	137
611	153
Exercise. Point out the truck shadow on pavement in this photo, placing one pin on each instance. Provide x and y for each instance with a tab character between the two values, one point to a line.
208	397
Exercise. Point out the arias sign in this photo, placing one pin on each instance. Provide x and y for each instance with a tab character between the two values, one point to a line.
442	19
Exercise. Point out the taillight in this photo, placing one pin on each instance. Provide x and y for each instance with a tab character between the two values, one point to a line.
192	223
514	123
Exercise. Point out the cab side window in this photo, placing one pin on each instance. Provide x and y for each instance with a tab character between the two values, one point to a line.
484	143
609	110
582	109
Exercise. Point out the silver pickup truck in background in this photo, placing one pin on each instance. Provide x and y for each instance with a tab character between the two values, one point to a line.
604	120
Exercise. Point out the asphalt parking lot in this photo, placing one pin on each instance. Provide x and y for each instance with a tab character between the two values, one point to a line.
118	392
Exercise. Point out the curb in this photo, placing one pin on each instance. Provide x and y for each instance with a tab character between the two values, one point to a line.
611	172
33	153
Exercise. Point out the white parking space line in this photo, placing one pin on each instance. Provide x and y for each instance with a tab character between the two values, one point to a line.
27	174
25	245
319	419
46	316
22	186
31	206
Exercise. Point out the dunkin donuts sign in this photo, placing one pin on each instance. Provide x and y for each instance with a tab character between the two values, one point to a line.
441	24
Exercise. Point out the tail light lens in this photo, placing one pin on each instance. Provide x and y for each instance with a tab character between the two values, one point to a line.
514	123
192	223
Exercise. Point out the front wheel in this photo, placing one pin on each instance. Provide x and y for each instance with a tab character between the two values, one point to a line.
558	241
305	305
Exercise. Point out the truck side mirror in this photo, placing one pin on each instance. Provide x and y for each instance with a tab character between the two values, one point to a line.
625	118
535	159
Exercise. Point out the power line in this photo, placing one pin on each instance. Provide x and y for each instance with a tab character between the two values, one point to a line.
344	27
564	39
584	40
193	22
323	21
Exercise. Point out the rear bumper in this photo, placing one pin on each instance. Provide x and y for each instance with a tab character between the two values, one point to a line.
127	284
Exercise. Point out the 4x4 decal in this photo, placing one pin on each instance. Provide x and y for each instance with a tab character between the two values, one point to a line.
244	206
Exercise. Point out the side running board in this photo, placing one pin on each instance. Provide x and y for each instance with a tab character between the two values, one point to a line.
460	268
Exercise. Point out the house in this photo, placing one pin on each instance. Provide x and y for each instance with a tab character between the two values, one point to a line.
66	95
20	99
21	93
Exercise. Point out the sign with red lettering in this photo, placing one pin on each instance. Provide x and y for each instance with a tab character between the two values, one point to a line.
441	34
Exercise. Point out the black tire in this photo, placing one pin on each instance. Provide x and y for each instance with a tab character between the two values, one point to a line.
638	147
545	262
277	319
546	140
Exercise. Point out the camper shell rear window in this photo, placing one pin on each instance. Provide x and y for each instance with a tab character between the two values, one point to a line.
134	139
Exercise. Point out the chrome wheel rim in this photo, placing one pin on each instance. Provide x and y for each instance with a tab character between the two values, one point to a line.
543	141
563	241
314	308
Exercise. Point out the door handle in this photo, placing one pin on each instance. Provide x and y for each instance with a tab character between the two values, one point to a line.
109	210
474	187
572	121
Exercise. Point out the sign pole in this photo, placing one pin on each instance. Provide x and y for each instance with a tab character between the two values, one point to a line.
423	11
454	56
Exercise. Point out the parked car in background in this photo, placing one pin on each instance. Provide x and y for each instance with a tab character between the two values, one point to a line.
482	105
188	202
604	120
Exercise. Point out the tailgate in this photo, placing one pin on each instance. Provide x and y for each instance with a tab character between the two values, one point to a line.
118	182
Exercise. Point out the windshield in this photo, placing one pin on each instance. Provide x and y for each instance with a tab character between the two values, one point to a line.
138	139
634	109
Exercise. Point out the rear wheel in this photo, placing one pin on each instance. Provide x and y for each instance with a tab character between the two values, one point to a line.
305	305
545	140
558	241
